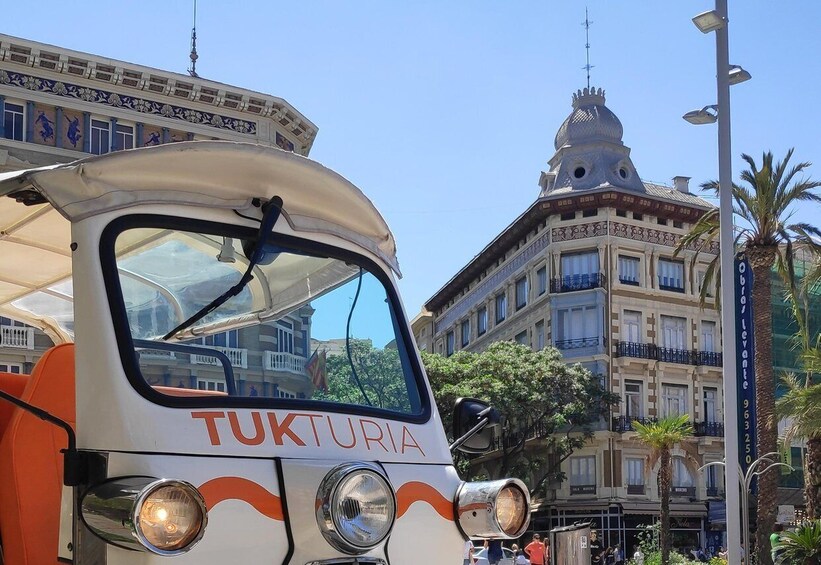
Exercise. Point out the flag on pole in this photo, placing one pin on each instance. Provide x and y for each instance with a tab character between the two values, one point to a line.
315	367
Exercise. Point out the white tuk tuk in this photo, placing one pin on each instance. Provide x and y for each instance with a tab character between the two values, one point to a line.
234	379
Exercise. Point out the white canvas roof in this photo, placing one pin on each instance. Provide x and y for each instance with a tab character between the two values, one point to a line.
34	240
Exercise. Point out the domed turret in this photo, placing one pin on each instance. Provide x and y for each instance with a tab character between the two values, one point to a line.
590	120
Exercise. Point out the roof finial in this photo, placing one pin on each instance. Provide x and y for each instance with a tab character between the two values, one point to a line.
586	25
192	70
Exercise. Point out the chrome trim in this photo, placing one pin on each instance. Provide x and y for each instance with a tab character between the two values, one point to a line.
324	502
476	508
119	524
350	561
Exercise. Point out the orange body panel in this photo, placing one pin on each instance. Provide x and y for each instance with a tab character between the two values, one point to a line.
31	463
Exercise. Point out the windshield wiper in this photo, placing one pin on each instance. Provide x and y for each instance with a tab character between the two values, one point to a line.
271	211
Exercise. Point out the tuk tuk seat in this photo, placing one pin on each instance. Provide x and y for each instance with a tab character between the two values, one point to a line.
31	463
13	384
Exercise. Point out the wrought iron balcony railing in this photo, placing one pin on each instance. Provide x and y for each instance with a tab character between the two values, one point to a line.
635	489
668	355
683	491
579	342
570	283
623	424
710	429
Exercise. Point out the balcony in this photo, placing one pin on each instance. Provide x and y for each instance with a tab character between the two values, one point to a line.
635	489
623	424
670	284
579	343
710	359
17	337
708	429
628	281
287	362
237	356
668	355
572	283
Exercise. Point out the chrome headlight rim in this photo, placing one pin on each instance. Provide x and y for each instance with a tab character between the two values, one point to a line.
326	495
484	495
149	489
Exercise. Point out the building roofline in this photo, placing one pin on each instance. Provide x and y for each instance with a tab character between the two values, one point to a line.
176	86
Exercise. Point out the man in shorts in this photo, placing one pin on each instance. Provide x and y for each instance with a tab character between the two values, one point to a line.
535	550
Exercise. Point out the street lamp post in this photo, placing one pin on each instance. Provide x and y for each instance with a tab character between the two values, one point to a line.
716	21
745	480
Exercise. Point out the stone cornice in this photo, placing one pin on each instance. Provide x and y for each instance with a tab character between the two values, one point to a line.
49	62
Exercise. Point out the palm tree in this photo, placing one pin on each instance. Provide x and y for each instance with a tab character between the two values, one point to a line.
802	546
764	206
660	437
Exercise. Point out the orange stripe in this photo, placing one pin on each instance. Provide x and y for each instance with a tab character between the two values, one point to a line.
236	488
415	491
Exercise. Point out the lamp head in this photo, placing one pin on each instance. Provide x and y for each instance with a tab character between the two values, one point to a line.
709	21
707	115
737	75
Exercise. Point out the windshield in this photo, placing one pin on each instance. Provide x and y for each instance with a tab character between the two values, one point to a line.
314	324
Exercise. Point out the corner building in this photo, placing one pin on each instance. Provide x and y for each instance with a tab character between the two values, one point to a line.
59	105
589	269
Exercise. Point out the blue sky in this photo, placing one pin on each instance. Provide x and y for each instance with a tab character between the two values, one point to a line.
444	113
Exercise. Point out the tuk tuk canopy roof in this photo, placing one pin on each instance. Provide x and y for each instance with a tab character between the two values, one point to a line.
35	239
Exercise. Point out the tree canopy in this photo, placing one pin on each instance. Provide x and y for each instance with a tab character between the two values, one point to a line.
539	396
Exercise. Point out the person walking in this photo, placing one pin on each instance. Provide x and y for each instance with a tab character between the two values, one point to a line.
467	555
618	555
494	551
535	551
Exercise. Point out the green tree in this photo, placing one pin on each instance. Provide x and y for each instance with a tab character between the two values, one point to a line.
661	437
371	376
539	396
763	206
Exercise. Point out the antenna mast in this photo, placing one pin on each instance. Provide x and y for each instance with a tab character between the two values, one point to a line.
192	70
586	25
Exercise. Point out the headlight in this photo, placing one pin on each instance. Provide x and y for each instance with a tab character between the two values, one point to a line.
163	516
355	507
493	509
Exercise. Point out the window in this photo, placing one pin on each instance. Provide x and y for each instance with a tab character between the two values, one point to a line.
577	327
580	271
124	137
629	268
569	216
501	307
671	275
672	333
449	344
631	327
678	224
541	277
210	384
710	397
712	480
590	213
100	142
13	121
583	475
15	368
708	336
465	332
521	293
635	475
521	338
673	400
683	484
633	400
224	339
539	336
661	221
285	337
282	393
637	216
701	275
481	321
621	213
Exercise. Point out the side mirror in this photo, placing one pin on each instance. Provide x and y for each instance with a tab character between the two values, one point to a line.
473	423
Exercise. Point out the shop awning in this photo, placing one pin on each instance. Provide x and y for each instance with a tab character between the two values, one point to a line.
676	508
578	505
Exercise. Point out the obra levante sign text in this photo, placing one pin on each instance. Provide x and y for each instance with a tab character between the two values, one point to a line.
745	350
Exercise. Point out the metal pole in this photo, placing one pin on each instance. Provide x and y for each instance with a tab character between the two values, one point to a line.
725	179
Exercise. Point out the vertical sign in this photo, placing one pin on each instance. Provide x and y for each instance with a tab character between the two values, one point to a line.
745	351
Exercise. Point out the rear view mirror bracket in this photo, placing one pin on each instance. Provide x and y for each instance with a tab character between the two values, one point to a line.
472	417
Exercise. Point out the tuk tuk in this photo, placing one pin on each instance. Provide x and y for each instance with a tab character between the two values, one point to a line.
234	378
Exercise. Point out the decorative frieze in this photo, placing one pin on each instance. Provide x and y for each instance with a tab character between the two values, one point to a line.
580	231
626	231
114	100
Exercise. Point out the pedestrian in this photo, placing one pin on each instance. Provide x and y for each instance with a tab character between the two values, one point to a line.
546	551
535	550
467	555
775	542
638	556
494	551
618	555
596	549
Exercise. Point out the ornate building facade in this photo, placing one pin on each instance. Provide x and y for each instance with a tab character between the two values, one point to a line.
59	105
590	268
